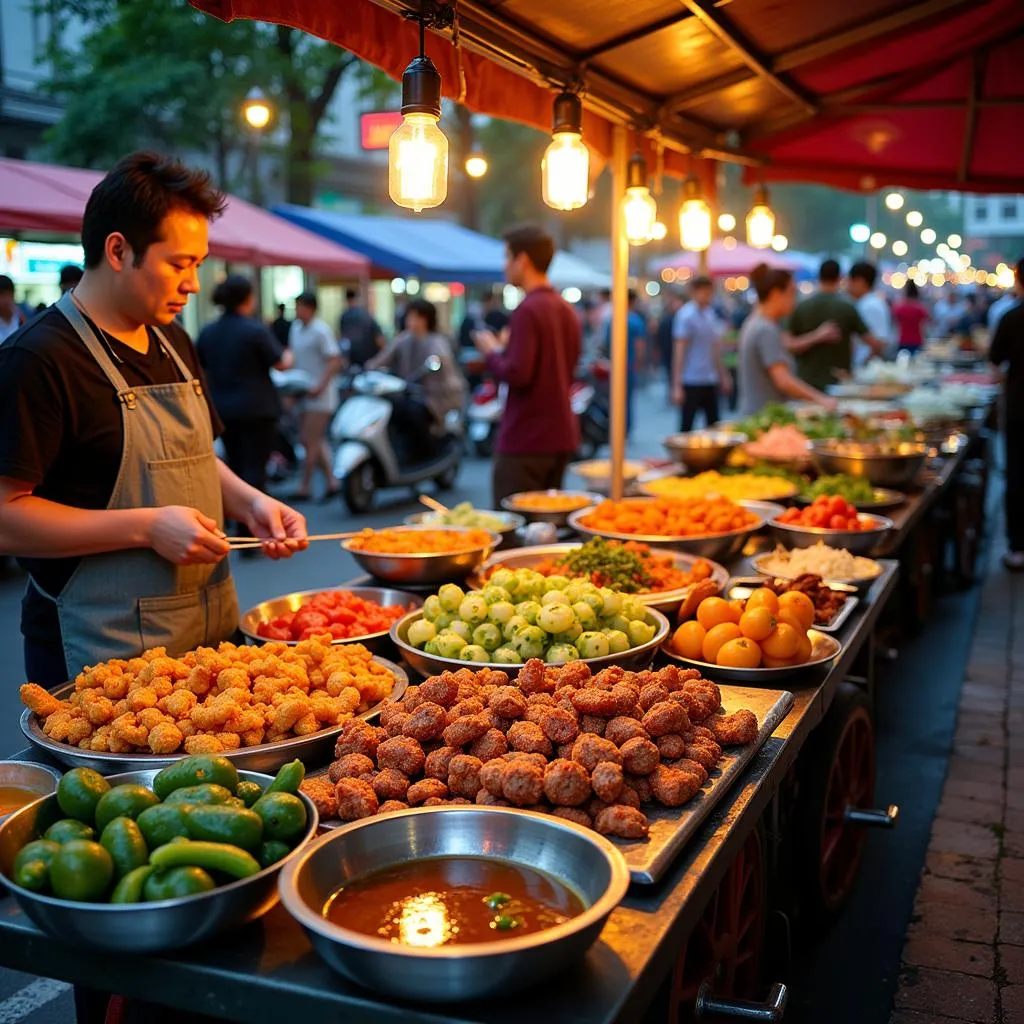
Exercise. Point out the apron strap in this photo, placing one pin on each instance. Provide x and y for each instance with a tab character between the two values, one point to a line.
183	367
98	351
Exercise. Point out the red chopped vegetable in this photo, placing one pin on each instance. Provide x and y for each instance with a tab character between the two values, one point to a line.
339	612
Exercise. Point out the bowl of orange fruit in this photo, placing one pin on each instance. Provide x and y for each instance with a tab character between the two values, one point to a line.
763	638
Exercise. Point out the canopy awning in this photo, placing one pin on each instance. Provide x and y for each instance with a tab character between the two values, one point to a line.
723	261
42	197
430	249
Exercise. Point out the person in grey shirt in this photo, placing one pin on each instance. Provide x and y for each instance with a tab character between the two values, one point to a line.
766	367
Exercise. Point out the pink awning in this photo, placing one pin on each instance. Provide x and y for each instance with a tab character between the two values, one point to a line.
723	262
42	197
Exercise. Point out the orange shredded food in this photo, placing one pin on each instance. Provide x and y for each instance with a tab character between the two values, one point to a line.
420	542
668	517
541	501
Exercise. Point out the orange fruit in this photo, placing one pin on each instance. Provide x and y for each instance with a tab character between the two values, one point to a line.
713	611
800	605
741	653
717	637
763	598
783	643
787	616
757	623
737	606
688	640
804	649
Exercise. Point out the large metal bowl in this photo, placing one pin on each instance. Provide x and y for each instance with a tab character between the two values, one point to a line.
860	583
636	659
425	569
510	522
718	547
140	927
665	601
316	748
857	542
596	474
37	779
579	858
557	517
896	465
267	611
703	449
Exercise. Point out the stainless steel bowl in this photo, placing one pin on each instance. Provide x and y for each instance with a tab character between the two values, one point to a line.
426	569
665	601
719	547
636	659
266	611
140	927
703	449
857	542
511	523
36	779
316	748
860	583
896	465
579	858
513	503
597	473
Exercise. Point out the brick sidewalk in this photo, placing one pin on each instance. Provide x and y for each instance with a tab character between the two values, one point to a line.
964	955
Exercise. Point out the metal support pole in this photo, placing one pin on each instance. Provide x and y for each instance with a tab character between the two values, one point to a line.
620	287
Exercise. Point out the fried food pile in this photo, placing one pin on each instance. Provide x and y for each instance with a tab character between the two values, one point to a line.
210	701
589	748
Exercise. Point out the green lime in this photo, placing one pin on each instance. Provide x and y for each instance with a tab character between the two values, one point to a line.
271	852
79	791
122	839
32	864
249	792
81	871
161	823
69	828
174	883
283	814
126	801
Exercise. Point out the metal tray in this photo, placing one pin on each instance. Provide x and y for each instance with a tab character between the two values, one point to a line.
267	757
743	586
667	601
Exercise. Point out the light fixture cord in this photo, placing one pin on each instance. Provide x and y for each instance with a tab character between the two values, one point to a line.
659	164
423	29
457	43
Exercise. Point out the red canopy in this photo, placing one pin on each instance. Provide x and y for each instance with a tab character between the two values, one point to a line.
40	197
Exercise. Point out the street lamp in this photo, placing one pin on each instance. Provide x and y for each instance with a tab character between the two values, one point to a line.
257	110
476	163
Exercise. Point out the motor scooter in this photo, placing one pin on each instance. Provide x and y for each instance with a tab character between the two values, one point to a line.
370	451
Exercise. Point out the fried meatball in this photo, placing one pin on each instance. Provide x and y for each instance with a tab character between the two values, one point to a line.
533	678
356	737
527	738
390	785
573	814
639	756
558	725
490	775
537	700
593	724
588	750
356	799
641	785
489	746
673	787
538	759
464	731
622	821
396	724
609	676
665	717
426	723
402	753
574	674
498	722
628	796
593	701
566	783
420	792
438	761
522	783
322	792
508	701
464	776
686	764
388	709
487	799
412	698
392	805
703	753
701	698
442	690
351	766
672	746
698	733
622	728
434	801
675	678
564	751
651	694
735	729
458	801
606	779
464	709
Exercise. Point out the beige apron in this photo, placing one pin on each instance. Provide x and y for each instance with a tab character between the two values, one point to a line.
118	604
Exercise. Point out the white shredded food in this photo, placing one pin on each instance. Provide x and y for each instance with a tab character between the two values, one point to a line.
821	560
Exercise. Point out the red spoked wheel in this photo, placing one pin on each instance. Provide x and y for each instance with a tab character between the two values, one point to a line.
725	946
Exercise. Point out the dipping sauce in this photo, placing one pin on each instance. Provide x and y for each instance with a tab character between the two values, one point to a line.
452	900
12	798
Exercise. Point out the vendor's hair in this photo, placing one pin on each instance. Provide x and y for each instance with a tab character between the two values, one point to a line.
535	242
769	279
135	197
865	272
425	309
232	292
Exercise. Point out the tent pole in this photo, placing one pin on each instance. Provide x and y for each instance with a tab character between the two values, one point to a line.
620	285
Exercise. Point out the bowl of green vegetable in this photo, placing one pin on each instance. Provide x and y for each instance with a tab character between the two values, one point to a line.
497	521
857	490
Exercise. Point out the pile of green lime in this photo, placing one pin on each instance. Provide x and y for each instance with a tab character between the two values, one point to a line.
198	827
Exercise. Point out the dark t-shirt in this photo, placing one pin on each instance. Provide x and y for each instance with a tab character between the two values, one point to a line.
815	366
237	353
281	326
1008	347
362	333
61	428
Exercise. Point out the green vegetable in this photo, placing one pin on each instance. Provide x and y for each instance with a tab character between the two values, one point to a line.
249	792
605	563
593	645
851	488
451	596
122	839
81	871
207	793
464	514
288	779
129	889
283	815
66	829
176	883
161	824
79	791
32	864
420	632
474	652
195	770
488	636
238	826
505	922
497	899
271	852
127	801
223	857
505	655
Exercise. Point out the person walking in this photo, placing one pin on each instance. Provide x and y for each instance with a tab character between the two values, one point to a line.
911	315
316	352
70	275
539	432
664	336
281	326
11	317
361	336
237	352
765	363
873	309
636	350
698	373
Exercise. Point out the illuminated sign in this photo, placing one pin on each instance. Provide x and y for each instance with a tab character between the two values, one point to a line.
375	129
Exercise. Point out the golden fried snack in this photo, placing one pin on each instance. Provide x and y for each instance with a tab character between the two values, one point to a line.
321	791
40	701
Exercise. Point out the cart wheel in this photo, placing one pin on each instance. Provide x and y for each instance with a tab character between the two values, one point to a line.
838	772
725	946
359	487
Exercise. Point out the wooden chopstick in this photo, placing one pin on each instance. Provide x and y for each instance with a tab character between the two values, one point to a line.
432	503
240	543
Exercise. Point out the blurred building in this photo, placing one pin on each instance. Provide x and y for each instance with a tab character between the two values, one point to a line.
994	216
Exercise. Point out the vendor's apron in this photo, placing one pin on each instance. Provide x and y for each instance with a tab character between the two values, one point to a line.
117	605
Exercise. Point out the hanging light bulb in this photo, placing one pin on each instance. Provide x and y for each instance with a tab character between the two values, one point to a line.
658	231
639	210
476	162
418	150
760	221
565	170
694	217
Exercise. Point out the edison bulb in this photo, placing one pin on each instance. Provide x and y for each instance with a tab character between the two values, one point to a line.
695	225
760	226
659	231
565	171
418	163
640	213
780	243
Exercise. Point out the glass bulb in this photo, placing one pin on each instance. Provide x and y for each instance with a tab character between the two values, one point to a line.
418	163
640	212
695	225
726	222
760	226
565	171
658	231
780	243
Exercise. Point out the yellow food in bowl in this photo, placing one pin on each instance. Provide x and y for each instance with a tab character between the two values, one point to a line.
736	487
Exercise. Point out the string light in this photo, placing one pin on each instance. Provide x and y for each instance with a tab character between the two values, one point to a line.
780	243
659	231
894	201
639	210
760	221
900	248
694	217
859	233
954	241
877	240
914	218
565	170
928	236
726	222
476	163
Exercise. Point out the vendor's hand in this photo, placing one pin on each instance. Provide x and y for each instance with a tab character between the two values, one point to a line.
486	342
828	331
280	527
829	404
725	384
185	536
678	394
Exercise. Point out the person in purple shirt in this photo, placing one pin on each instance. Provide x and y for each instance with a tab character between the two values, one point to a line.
537	360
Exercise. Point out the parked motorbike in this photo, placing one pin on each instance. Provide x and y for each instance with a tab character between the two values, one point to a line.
292	386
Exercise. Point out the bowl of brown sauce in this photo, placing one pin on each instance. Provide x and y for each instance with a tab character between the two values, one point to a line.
452	903
22	782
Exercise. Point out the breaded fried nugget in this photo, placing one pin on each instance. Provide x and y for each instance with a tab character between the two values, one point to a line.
426	789
402	753
527	738
350	766
464	776
390	806
356	799
732	730
39	701
322	792
566	783
390	784
203	744
442	690
701	698
126	728
667	716
165	738
622	821
522	783
588	750
639	756
574	674
428	721
672	786
507	701
489	746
